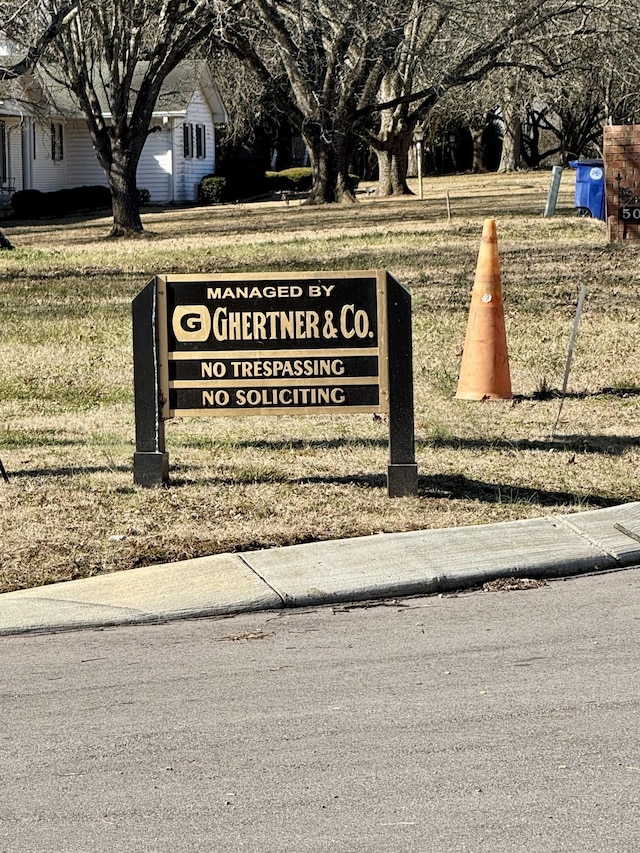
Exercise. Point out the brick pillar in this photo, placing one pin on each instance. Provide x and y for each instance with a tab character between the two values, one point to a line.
621	157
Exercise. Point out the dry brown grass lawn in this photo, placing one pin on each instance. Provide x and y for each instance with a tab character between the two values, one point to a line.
66	415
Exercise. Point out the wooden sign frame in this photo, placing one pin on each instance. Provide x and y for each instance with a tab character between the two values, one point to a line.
273	343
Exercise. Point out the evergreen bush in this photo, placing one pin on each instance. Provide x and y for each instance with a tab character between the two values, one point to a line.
297	179
211	189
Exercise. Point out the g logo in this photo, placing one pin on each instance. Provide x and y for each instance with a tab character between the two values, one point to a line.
191	323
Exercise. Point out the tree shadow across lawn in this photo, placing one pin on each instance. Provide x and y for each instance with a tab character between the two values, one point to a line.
67	471
607	445
313	443
555	394
439	486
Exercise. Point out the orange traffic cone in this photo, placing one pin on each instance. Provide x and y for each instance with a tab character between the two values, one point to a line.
484	371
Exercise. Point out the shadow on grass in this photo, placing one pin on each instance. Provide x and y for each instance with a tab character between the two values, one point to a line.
607	445
368	481
555	394
314	444
459	487
20	440
449	487
436	487
69	471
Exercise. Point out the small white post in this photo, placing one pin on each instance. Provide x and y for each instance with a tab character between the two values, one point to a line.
554	189
572	343
418	137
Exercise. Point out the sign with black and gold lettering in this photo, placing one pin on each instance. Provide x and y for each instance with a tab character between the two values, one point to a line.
268	344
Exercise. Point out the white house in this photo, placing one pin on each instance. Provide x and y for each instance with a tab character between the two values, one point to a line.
45	142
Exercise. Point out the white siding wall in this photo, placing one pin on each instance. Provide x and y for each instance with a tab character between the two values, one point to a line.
49	174
189	171
155	166
82	163
14	151
163	169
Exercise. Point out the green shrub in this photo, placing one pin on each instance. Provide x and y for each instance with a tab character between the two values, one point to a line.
211	189
246	182
297	179
277	182
301	177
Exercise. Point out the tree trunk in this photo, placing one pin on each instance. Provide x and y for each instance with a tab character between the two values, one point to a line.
511	140
477	139
124	192
392	144
393	161
330	167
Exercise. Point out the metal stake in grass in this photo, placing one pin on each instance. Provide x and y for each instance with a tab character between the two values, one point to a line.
448	200
554	189
572	343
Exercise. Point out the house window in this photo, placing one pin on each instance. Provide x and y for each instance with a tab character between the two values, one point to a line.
201	141
187	140
194	139
57	146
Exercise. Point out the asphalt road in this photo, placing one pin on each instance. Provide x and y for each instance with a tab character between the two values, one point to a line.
490	721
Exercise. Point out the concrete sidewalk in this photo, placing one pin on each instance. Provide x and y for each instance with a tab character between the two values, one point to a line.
370	567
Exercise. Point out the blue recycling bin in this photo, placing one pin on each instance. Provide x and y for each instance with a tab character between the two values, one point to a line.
590	192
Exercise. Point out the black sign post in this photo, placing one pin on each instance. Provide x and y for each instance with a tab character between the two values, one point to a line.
151	461
402	476
267	344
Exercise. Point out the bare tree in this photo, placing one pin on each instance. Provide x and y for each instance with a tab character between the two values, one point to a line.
467	42
591	73
19	25
373	69
323	61
241	87
610	67
423	36
114	57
